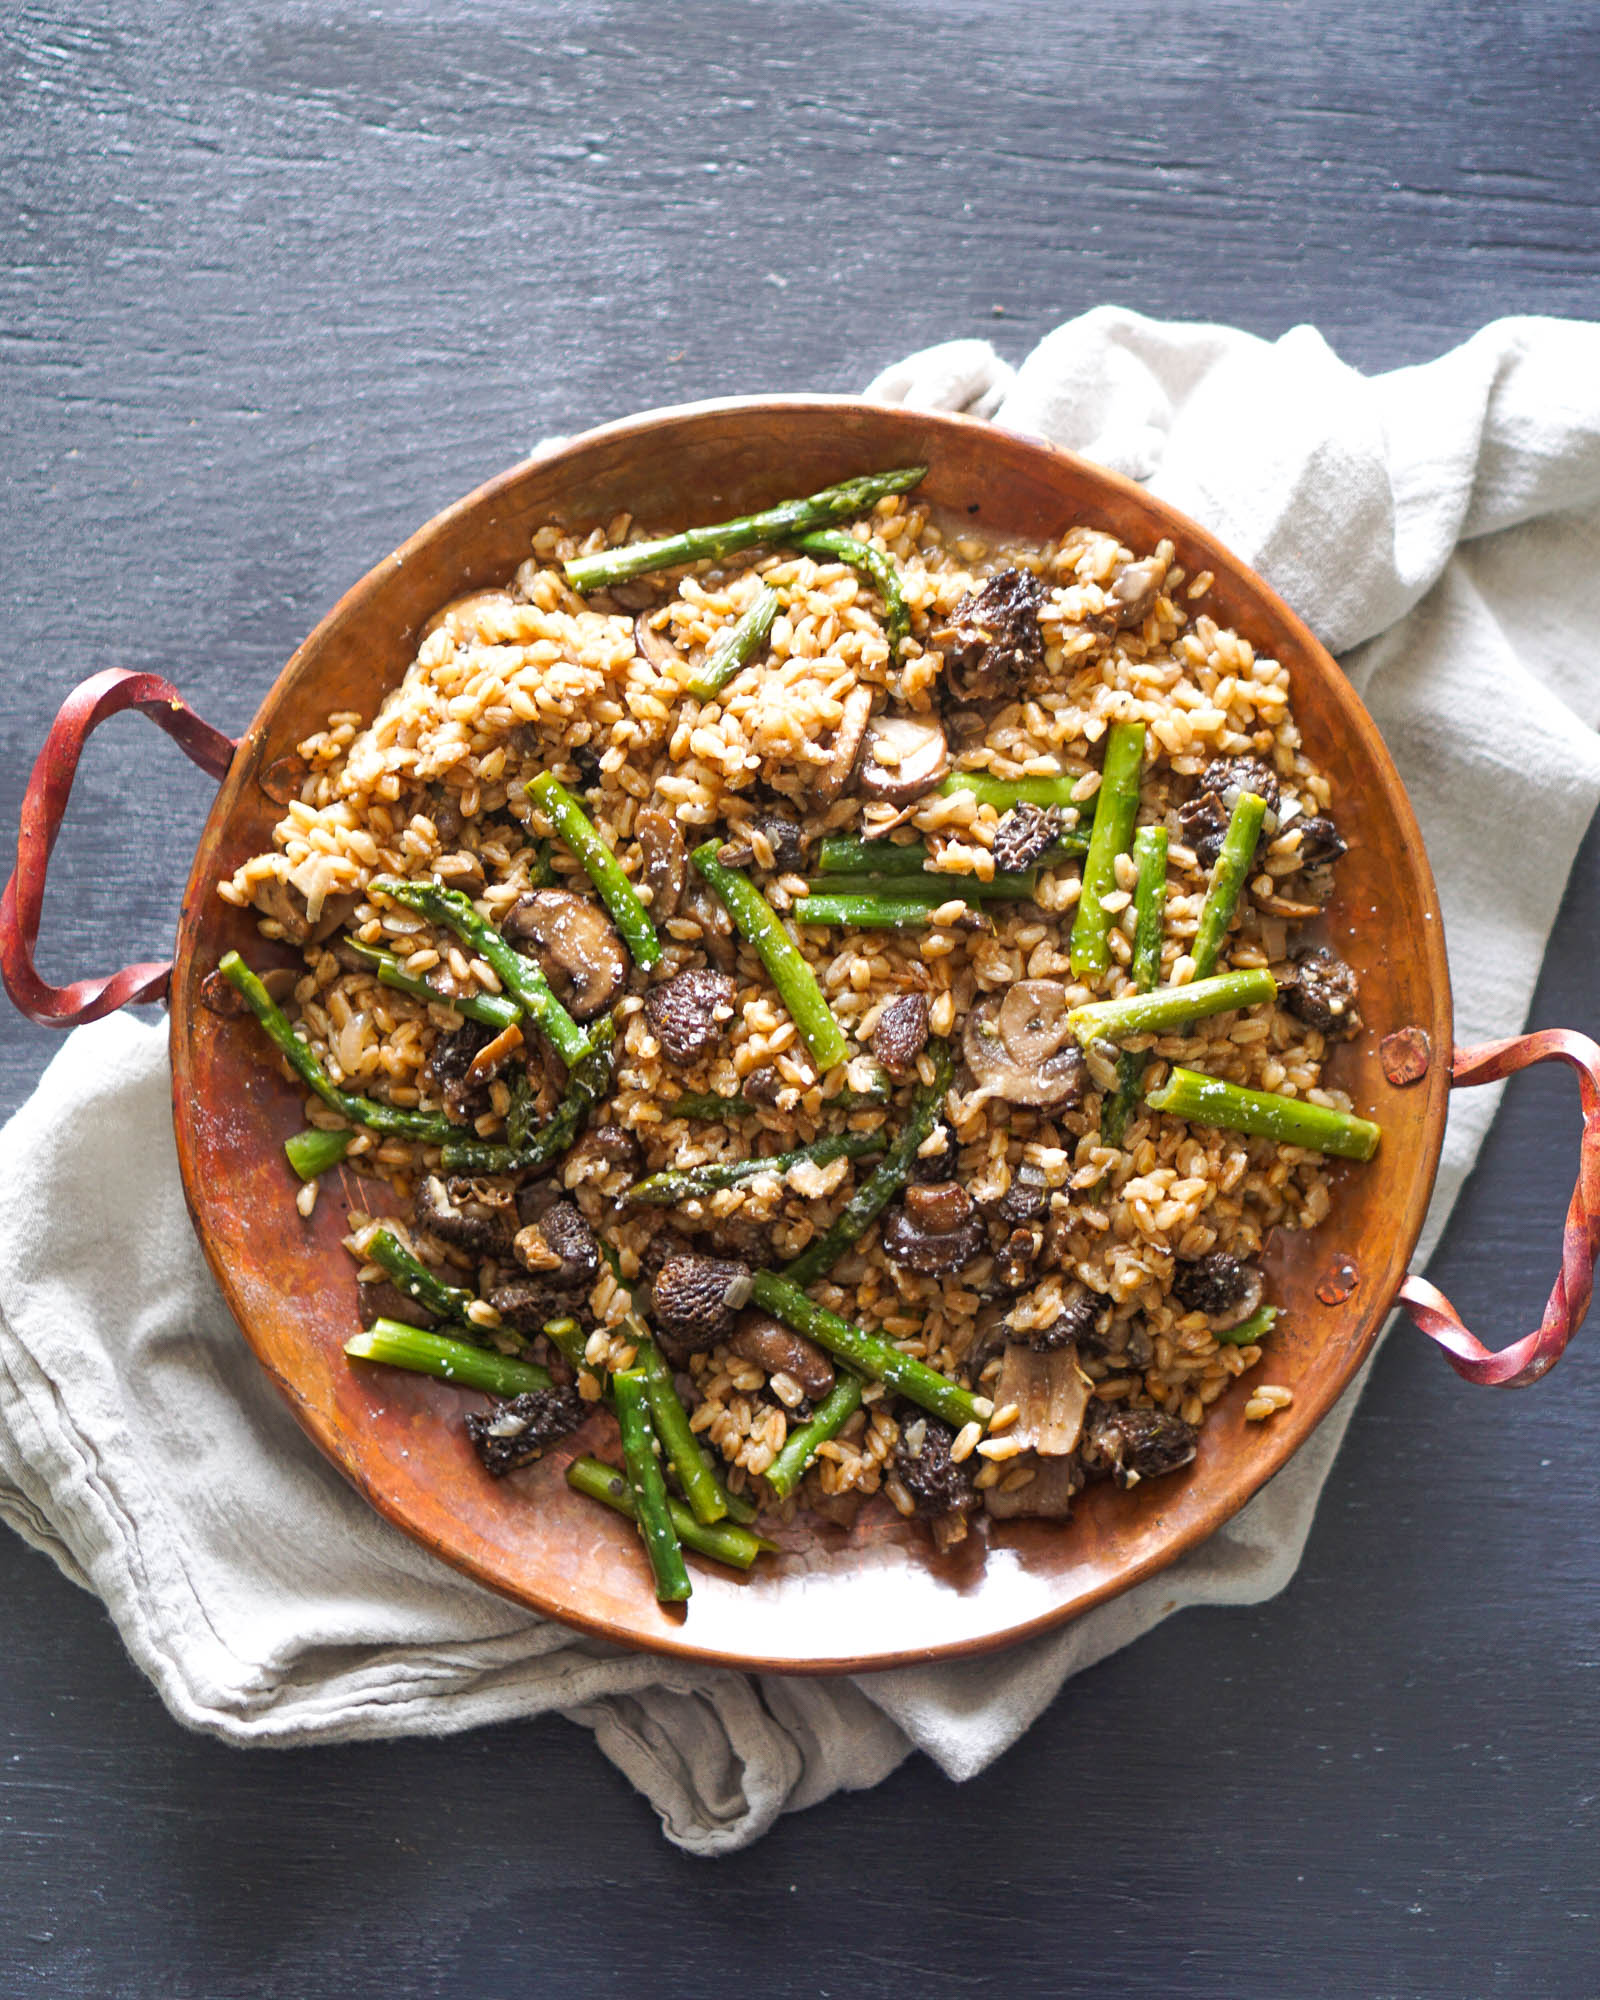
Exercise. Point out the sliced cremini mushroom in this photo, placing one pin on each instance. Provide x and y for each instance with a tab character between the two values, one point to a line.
1020	1049
780	1350
902	758
656	647
847	740
1051	1393
666	860
1046	1496
284	904
1136	587
702	904
578	951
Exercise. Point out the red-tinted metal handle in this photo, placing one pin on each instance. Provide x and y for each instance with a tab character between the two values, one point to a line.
43	806
1536	1353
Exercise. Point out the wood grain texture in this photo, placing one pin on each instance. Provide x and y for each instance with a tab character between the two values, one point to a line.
278	283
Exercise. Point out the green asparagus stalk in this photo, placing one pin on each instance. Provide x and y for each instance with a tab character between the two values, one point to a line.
600	865
736	647
1017	886
630	1389
786	966
703	1490
1149	906
495	1010
875	1194
586	1085
429	1126
1004	793
1250	1330
868	1353
1115	806
519	975
1227	879
1207	1100
800	1448
773	526
712	1104
726	1542
519	1112
1171	1007
410	1275
843	854
468	1367
878	912
679	1184
880	570
312	1152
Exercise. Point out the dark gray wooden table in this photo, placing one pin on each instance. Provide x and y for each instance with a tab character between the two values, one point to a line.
280	280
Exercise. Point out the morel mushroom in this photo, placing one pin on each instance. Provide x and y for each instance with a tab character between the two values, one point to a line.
1074	1325
689	1012
901	1033
903	758
517	1431
1224	1289
993	641
559	1248
577	949
1128	1445
695	1300
940	1487
1021	1049
1024	833
475	1215
1323	993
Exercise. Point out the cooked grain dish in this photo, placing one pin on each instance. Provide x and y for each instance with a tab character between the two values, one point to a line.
881	825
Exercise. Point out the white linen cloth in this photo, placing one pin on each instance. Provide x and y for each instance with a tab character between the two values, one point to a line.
1439	527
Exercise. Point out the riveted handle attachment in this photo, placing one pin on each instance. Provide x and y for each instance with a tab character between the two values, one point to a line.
43	806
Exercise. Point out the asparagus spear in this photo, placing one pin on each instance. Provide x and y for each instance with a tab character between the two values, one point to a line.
1115	806
629	1387
680	1184
843	854
879	911
1016	886
1171	1006
1207	1100
600	865
1004	793
737	647
495	1010
725	1542
880	570
519	975
1227	879
773	525
712	1104
800	1448
312	1152
868	1353
468	1367
1149	904
586	1085
786	966
410	1275
431	1127
1250	1330
874	1196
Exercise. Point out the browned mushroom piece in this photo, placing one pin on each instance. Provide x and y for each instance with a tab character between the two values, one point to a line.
380	1300
1021	1049
781	1351
475	1215
762	1085
559	1248
1046	1496
606	1146
284	904
1128	1445
847	740
577	949
902	759
656	647
1136	587
939	1487
1227	1290
1016	1257
689	1012
934	1230
695	1301
1051	1393
703	906
993	641
666	860
902	1033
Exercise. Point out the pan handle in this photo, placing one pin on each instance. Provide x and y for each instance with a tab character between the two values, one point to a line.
1525	1360
43	806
